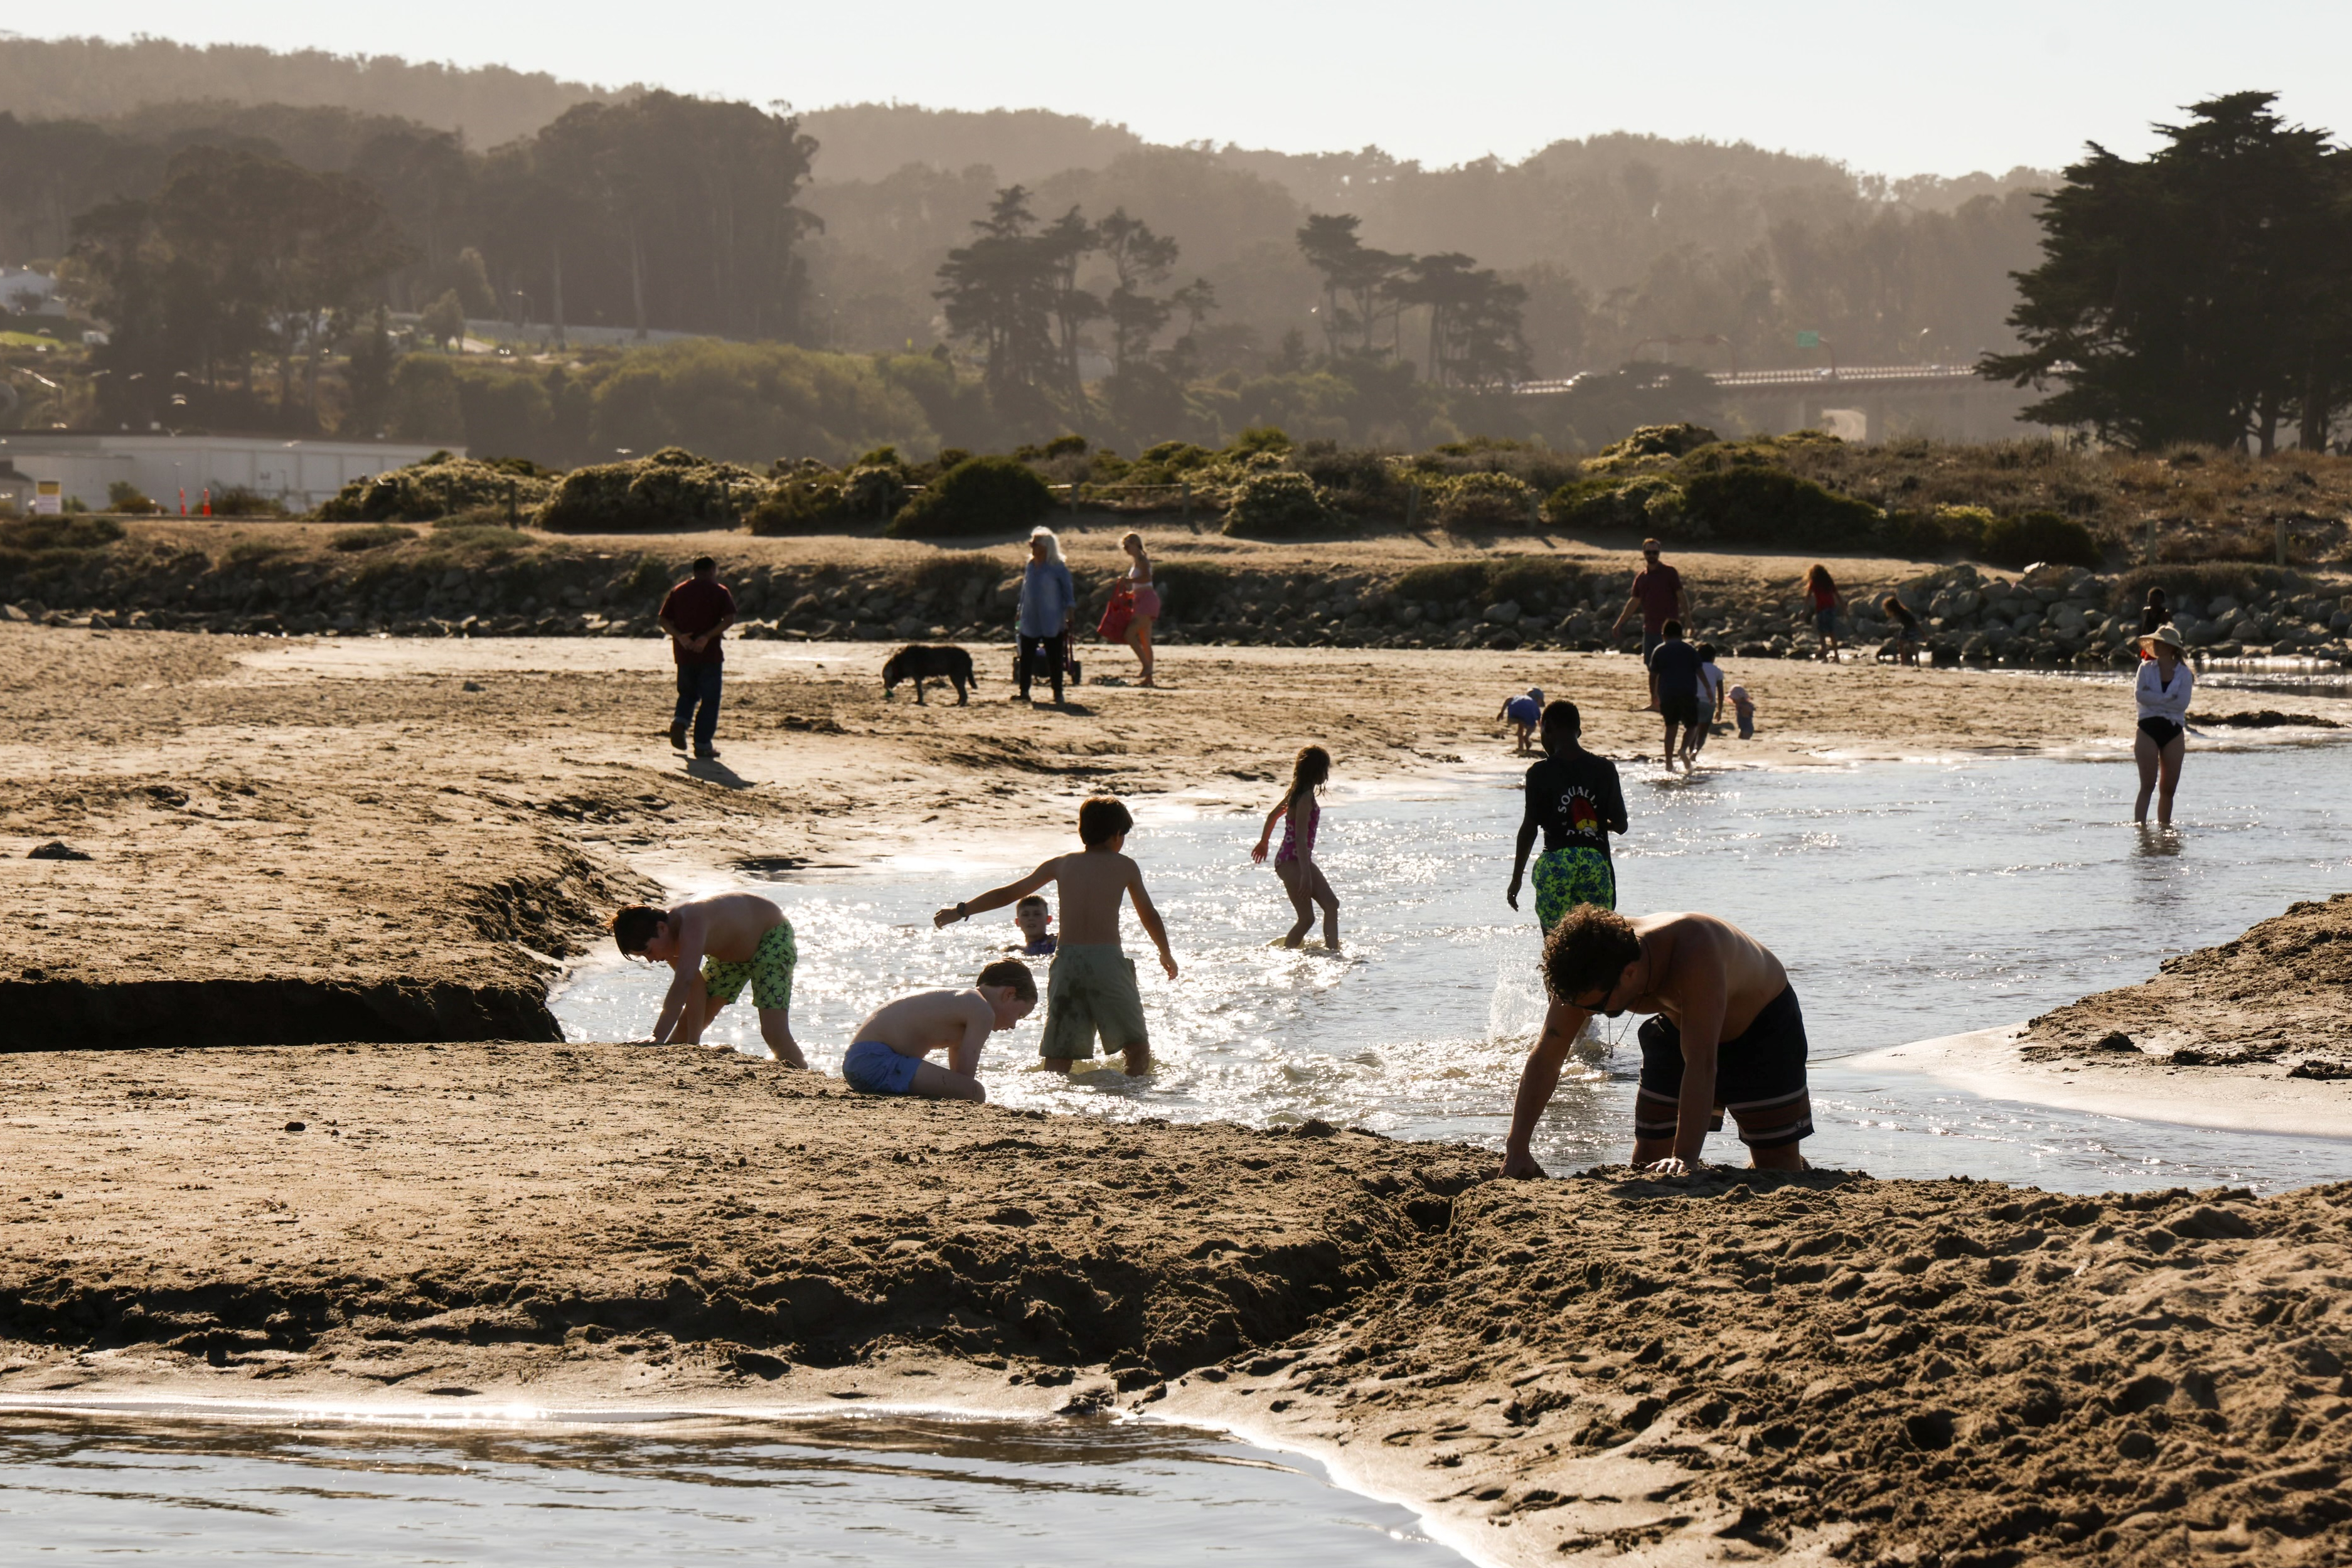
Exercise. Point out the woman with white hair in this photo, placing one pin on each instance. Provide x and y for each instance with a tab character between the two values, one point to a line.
1048	599
2165	684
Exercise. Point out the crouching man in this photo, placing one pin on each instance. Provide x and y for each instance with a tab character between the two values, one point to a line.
1728	1036
716	946
887	1057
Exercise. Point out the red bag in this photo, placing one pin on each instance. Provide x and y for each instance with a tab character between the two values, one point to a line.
1116	616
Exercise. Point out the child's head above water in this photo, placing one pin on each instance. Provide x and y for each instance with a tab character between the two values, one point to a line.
1032	916
1102	820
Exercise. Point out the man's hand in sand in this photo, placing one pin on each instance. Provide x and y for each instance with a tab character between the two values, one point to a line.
1520	1166
1673	1165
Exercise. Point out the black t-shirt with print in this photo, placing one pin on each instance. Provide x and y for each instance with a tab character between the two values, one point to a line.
1576	801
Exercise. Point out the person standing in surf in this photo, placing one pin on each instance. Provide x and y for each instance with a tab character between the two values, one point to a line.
1300	813
1574	799
2166	682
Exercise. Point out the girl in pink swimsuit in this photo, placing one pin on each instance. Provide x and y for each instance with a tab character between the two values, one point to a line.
1147	604
1295	863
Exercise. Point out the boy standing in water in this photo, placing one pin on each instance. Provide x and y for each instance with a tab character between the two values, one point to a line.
1091	987
716	945
1573	797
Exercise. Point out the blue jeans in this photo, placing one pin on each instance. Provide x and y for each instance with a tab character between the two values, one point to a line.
697	686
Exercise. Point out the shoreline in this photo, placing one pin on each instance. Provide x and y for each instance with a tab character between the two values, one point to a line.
1997	1065
1544	1371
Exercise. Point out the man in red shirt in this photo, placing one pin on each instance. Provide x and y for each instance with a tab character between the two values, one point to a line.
694	615
1658	594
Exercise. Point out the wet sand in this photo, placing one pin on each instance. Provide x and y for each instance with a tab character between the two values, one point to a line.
1733	1367
1726	1368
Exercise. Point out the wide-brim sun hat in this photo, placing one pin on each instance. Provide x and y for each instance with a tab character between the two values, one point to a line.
2168	635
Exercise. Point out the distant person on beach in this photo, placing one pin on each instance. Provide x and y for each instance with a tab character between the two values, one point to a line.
1048	599
1821	593
695	614
1301	813
1743	708
1526	711
887	1057
1673	682
1090	991
1906	630
1658	595
1710	704
1031	916
1573	799
2165	684
1147	604
716	945
2153	615
1729	1035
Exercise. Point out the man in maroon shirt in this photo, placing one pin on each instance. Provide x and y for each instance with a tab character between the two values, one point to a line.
1658	594
694	614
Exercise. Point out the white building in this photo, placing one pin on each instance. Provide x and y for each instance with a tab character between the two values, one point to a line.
300	474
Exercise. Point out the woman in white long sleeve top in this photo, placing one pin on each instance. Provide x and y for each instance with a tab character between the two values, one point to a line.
2165	683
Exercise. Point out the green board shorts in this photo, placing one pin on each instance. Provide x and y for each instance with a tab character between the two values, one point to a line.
1091	990
770	972
1566	878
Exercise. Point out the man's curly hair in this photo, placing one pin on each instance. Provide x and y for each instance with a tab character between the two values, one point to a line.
1587	951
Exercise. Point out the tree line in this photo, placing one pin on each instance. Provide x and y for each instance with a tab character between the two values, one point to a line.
2201	294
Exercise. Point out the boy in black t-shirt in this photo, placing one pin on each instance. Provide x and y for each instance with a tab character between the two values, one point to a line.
1574	798
1674	675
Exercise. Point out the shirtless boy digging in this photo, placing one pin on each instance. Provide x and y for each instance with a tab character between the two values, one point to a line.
887	1058
1091	989
716	945
1728	1035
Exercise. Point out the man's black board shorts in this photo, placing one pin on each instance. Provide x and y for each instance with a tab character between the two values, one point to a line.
1760	1077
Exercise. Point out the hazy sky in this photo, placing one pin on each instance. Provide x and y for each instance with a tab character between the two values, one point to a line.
1898	87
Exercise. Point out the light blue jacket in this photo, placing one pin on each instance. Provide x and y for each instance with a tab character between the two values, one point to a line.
1047	597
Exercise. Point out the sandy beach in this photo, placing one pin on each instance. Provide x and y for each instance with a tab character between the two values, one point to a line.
373	853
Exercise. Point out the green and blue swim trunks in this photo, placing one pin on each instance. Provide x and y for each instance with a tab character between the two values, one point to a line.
1565	878
769	974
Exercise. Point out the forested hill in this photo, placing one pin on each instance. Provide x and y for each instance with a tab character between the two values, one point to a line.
92	78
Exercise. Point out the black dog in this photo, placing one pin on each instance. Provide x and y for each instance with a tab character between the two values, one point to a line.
918	662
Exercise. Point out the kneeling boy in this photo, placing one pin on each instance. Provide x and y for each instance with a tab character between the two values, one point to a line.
716	945
1729	1035
889	1056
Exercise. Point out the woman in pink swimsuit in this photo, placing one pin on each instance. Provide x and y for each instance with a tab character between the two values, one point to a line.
1147	604
1300	814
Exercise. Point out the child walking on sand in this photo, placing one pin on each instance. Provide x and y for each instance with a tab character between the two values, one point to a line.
887	1058
1526	711
1300	814
1090	991
1744	707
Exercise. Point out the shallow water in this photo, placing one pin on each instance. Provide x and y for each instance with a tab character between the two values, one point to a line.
880	1490
1909	901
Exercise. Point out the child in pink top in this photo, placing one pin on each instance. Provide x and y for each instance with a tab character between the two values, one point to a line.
1300	814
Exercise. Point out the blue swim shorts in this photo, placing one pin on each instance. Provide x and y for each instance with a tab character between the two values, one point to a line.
874	1067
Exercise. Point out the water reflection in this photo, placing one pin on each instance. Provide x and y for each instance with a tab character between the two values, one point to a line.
874	1490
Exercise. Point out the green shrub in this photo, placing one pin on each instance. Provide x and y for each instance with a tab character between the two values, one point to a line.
45	535
1654	441
1357	481
1448	582
238	501
437	487
1768	506
1279	505
1255	439
673	488
804	504
980	496
373	536
2021	541
1648	503
1486	501
124	497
